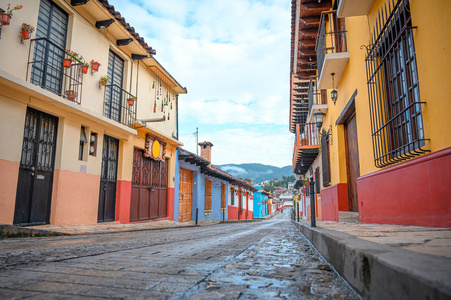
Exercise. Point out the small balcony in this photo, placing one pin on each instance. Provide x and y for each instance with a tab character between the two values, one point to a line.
119	105
306	147
351	8
331	49
45	69
317	99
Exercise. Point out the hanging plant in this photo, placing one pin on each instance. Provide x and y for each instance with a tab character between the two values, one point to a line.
72	56
95	65
9	13
71	95
103	80
84	65
131	100
26	30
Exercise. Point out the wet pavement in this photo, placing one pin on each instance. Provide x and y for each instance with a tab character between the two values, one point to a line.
262	260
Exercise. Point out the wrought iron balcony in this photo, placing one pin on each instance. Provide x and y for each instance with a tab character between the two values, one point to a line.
331	49
316	97
45	69
306	147
116	105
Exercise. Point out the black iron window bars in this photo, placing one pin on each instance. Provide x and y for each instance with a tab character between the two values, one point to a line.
393	89
47	71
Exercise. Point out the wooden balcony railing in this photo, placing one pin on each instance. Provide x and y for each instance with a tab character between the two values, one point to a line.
309	137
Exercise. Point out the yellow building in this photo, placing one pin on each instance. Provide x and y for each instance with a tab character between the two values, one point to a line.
375	133
75	149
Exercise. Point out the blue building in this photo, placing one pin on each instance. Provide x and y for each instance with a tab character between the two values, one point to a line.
260	203
202	187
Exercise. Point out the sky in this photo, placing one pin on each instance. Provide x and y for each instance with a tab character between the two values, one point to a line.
233	57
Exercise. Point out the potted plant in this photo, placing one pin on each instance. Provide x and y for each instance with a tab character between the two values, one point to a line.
73	56
95	65
103	81
9	13
71	95
84	65
26	31
131	100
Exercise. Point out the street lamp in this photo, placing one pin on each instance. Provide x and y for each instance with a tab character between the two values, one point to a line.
319	118
334	93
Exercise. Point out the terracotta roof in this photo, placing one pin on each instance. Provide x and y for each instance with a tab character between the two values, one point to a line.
209	169
120	19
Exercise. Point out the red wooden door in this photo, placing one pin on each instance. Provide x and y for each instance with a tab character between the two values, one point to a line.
353	165
149	188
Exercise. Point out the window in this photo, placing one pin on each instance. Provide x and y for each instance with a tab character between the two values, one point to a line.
395	107
49	47
223	195
232	196
113	91
207	194
325	158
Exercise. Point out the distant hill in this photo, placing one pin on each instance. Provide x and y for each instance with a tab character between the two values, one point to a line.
257	172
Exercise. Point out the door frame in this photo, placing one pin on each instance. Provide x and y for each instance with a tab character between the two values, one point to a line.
348	165
115	190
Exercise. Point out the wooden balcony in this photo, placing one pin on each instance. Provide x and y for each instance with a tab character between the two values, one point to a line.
306	147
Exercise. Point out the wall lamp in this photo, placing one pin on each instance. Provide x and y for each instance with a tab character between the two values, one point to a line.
319	118
334	93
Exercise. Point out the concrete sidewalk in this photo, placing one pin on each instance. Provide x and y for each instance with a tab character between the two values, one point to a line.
386	261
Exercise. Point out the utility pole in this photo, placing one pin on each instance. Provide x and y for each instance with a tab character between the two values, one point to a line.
197	140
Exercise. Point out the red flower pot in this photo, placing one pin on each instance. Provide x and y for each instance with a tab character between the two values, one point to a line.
66	62
6	19
71	95
130	102
25	35
84	69
95	66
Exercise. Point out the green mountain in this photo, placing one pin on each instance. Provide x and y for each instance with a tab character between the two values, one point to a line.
257	172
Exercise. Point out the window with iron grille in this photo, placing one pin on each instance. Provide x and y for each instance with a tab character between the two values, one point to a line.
395	106
232	196
325	158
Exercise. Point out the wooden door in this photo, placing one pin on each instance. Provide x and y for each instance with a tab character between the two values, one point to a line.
34	187
208	194
149	188
108	180
352	159
185	195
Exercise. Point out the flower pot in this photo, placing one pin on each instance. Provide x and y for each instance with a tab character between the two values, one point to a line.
95	66
84	69
66	62
130	101
25	35
71	95
6	19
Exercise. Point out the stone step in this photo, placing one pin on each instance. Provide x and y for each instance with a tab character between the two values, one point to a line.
348	216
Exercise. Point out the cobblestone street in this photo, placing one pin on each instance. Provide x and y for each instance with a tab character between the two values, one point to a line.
259	260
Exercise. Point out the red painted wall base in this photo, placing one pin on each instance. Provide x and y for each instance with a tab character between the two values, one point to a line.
170	206
416	192
334	199
233	214
123	199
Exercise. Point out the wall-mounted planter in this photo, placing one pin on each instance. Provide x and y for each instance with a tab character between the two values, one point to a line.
6	19
66	62
71	95
84	69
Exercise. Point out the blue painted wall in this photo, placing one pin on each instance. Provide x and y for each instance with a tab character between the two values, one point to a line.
260	209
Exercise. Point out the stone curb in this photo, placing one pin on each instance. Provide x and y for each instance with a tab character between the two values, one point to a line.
378	271
10	231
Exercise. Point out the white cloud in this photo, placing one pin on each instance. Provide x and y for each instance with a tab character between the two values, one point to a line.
233	57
